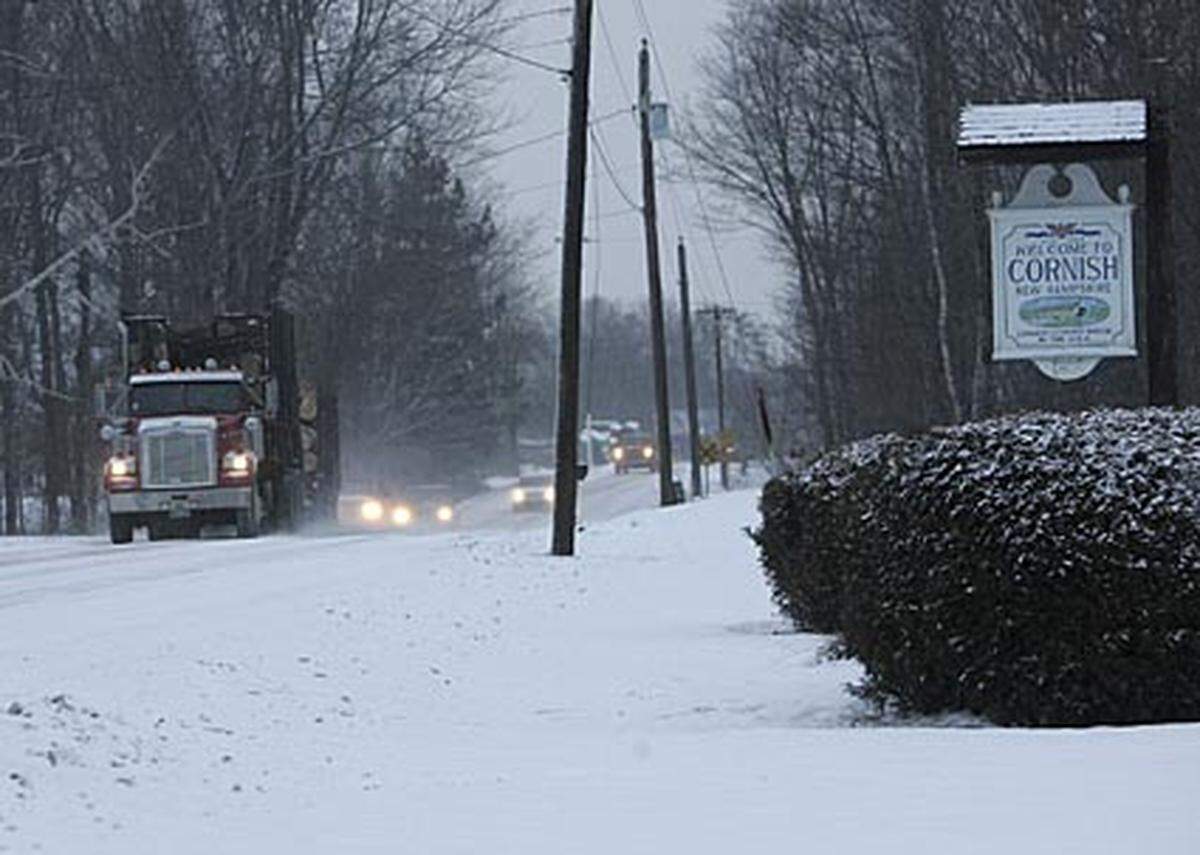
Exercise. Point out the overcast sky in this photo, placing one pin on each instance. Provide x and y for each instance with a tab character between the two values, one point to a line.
533	176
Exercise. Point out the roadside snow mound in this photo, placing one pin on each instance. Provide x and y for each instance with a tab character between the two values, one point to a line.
1037	570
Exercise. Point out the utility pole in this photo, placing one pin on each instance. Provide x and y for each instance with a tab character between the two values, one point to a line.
666	487
1162	320
567	433
689	368
717	313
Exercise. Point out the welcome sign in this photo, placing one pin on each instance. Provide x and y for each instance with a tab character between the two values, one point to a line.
1062	274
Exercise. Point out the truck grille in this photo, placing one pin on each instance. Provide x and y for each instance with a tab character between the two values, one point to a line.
178	458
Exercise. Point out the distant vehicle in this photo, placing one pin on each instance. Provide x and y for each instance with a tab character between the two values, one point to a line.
602	430
420	506
603	435
633	450
533	493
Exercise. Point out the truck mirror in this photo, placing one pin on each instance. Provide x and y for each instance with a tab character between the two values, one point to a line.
581	471
108	433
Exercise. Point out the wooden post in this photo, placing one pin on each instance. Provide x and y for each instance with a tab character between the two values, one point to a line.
689	368
567	432
724	463
718	314
1162	328
666	488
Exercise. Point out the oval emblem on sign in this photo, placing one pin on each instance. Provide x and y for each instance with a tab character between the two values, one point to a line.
1059	312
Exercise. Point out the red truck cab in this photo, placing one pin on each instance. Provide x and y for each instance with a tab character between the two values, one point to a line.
186	456
210	430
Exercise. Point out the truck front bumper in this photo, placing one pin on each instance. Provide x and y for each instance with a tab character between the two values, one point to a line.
181	502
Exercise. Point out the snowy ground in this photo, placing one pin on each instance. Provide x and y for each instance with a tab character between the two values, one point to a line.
465	693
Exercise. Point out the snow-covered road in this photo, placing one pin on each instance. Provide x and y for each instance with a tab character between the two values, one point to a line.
465	693
602	496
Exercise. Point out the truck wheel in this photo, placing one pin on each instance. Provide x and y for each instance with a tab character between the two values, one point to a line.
120	529
247	523
156	531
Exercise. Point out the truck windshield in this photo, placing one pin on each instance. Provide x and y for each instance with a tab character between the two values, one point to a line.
165	399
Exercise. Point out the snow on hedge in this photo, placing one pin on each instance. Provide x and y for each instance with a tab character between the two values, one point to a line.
1036	569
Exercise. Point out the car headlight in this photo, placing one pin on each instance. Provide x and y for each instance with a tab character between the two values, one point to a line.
618	454
445	513
518	496
402	515
648	452
548	494
371	510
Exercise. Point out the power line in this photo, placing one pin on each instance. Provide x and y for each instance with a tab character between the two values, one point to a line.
488	46
608	168
547	185
706	220
514	147
544	44
677	216
698	279
98	84
595	303
612	56
528	16
623	212
535	140
640	11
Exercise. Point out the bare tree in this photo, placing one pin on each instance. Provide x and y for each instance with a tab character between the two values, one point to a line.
831	124
187	158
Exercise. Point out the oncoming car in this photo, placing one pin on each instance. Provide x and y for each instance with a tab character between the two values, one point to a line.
633	451
424	506
533	493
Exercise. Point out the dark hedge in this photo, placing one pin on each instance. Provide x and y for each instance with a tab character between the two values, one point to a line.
1036	570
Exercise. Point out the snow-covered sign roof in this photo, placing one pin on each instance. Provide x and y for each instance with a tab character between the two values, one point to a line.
1078	123
187	377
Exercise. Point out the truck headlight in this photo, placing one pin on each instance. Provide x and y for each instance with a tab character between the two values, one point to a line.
518	496
548	494
445	513
237	463
618	454
402	515
371	510
648	452
121	467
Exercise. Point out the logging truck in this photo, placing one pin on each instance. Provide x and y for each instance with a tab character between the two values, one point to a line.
208	430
